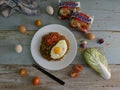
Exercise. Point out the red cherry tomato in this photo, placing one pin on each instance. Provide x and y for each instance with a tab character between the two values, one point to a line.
78	67
36	81
55	37
74	74
48	40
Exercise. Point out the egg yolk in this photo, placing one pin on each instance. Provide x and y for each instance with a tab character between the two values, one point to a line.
57	50
75	23
65	11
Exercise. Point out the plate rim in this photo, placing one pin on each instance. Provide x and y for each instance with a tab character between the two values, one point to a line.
67	30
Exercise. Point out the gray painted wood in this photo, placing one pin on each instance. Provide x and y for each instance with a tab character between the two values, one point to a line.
9	39
106	13
106	25
87	79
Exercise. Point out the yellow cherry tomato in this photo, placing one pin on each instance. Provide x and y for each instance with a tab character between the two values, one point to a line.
22	72
38	23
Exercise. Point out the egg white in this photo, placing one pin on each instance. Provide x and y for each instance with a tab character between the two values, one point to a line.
63	46
61	11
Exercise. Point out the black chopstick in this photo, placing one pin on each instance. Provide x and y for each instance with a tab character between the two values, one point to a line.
48	74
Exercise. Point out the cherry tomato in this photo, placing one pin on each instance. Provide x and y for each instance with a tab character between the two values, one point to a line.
74	74
36	81
38	23
79	68
48	40
22	72
55	37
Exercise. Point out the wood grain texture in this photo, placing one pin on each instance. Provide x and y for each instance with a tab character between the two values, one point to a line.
106	25
106	13
9	39
87	79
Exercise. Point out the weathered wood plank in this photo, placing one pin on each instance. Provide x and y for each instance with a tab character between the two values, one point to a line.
9	39
106	13
87	79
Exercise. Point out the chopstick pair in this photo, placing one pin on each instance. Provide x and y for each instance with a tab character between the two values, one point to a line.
48	74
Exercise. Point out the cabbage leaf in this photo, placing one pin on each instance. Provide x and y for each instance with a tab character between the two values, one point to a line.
98	62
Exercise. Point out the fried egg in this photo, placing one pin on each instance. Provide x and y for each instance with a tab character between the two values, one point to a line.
75	23
64	11
59	50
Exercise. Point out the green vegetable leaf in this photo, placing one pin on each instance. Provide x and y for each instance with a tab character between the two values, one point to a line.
98	62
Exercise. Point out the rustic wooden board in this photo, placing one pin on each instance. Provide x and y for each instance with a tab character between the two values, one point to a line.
106	25
9	39
87	79
106	13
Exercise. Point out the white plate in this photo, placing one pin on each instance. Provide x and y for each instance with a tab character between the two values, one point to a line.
53	65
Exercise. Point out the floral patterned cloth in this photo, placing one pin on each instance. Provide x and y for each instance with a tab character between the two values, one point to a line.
28	7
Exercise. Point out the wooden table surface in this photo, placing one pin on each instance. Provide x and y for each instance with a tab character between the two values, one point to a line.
106	25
